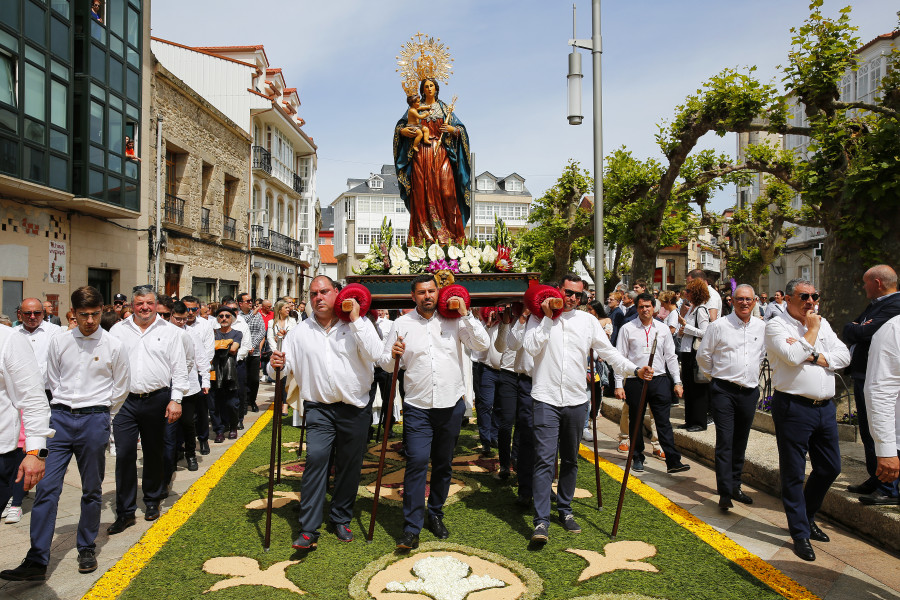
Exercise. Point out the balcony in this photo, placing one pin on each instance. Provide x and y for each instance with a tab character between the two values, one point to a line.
300	185
229	229
204	220
173	210
262	160
276	242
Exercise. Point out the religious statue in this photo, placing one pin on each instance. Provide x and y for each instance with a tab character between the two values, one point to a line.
433	175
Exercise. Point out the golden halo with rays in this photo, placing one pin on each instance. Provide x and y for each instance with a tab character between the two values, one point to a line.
423	57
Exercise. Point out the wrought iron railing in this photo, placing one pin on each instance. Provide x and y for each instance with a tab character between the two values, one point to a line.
173	210
204	220
275	242
262	159
229	229
300	184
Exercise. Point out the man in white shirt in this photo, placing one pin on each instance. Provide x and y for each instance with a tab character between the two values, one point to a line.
561	402
776	306
184	431
331	362
731	352
204	330
804	353
523	367
882	390
88	374
438	377
158	382
486	394
635	344
22	399
38	332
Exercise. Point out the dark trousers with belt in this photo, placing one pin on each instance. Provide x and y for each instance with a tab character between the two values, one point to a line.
9	470
144	419
505	403
733	408
84	436
696	395
181	430
801	428
525	436
429	434
251	365
484	405
339	429
659	398
556	427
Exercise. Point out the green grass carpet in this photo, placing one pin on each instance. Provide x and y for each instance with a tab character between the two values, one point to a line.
487	519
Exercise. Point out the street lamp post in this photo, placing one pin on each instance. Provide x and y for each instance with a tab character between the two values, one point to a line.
575	118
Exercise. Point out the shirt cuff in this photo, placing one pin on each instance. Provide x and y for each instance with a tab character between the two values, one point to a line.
37	442
177	395
547	323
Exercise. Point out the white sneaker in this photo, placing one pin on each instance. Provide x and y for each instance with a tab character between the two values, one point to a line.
6	509
587	435
14	515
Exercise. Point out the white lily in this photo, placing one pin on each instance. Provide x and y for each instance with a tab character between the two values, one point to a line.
455	252
476	270
435	252
464	266
488	255
473	252
400	267
396	255
415	254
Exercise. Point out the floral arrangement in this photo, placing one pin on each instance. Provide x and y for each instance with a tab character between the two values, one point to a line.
385	256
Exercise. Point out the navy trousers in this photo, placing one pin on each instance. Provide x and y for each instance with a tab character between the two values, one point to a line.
659	397
181	431
555	427
484	405
733	408
9	469
505	413
143	418
85	437
525	436
339	429
802	428
430	434
203	414
251	364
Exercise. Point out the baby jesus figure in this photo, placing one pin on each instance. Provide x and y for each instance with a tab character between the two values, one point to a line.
414	117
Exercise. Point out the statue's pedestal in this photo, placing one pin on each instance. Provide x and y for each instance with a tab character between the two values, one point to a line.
485	289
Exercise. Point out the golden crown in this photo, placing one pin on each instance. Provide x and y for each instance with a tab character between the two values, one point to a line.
421	58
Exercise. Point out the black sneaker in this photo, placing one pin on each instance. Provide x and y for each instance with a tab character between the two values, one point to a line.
540	534
570	524
120	525
408	541
27	571
87	561
679	468
306	541
637	466
343	532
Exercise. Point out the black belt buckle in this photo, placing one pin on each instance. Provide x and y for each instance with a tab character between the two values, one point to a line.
87	410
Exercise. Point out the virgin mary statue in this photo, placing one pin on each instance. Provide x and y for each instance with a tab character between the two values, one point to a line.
434	181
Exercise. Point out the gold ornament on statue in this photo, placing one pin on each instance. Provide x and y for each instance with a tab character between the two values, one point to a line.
424	57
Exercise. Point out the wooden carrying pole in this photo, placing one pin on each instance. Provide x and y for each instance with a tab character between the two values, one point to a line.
593	412
384	440
636	425
274	452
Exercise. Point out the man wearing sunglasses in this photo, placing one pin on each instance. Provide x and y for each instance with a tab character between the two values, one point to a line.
804	353
38	332
203	330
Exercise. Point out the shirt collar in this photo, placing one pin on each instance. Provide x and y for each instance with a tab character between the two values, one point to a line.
880	298
94	336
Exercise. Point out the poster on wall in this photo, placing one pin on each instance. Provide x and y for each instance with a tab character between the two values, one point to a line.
57	262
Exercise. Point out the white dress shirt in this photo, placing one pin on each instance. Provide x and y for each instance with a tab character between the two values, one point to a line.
438	370
493	356
635	342
156	356
523	363
21	389
40	343
560	351
85	371
331	366
773	309
696	322
203	331
733	350
882	388
792	373
192	346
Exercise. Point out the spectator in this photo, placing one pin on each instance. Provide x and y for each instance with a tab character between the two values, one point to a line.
696	388
38	333
49	315
776	306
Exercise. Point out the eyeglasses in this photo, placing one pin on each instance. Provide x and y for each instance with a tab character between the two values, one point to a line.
806	297
179	319
744	300
195	309
85	315
32	313
225	315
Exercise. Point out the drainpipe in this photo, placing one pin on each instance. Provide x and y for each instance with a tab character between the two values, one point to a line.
159	166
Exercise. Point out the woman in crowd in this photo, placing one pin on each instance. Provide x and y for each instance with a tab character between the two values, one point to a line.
691	330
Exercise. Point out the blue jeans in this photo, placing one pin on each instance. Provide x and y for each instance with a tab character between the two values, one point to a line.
556	427
484	406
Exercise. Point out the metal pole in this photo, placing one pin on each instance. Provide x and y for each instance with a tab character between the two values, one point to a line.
159	167
597	50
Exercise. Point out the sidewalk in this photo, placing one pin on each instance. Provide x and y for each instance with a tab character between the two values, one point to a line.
847	568
63	579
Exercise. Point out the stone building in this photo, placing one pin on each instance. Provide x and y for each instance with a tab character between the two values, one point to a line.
204	193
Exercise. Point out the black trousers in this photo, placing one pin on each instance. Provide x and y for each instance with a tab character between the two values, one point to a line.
181	431
505	404
696	395
251	364
733	408
143	418
659	398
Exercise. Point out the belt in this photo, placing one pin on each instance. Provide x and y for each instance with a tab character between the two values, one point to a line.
87	410
490	368
805	400
736	386
148	394
524	376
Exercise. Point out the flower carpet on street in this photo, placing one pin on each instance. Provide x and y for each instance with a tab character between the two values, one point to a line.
661	552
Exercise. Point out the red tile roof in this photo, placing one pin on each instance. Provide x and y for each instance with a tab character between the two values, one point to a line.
202	51
217	49
883	36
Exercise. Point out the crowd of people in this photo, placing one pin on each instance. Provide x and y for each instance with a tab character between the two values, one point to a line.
169	374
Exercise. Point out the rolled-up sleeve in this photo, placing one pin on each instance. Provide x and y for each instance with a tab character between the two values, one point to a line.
25	388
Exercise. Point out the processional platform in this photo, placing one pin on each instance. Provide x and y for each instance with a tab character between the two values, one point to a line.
485	289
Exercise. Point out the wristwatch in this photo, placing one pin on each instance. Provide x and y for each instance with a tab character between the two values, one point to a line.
815	357
636	372
176	400
41	454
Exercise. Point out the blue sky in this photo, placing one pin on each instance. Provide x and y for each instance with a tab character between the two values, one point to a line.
509	70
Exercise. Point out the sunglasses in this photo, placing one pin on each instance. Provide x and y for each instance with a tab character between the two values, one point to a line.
195	309
32	313
225	316
164	315
806	297
572	293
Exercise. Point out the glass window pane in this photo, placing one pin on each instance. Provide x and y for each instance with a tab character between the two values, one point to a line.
60	6
10	14
115	74
98	92
96	122
115	16
114	163
131	169
132	111
59	173
9	121
59	38
131	197
98	63
34	22
115	101
58	104
59	70
35	96
34	164
134	59
114	185
98	156
35	131
115	131
59	141
35	56
116	45
134	28
134	86
95	184
7	80
9	156
9	41
98	31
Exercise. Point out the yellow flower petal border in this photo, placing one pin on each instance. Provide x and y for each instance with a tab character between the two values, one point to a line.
725	546
114	581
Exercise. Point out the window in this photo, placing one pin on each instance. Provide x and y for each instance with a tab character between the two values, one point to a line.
102	279
348	208
513	185
206	171
847	88
376	183
58	104
7	79
400	235
485	184
366	235
35	18
203	289
803	272
304	221
484	233
12	296
670	270
231	188
34	92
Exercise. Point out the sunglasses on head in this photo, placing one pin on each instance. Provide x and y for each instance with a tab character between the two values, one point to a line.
806	296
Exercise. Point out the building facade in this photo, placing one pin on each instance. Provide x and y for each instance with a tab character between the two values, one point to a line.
73	92
504	197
